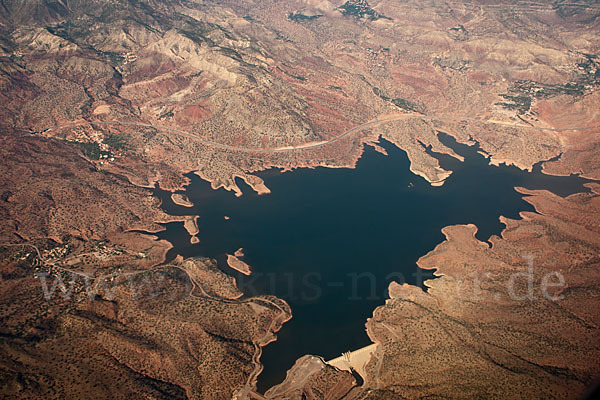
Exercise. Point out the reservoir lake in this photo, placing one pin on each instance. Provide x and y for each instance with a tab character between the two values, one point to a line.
329	241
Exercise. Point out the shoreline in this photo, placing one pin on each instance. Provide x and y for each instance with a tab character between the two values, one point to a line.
235	263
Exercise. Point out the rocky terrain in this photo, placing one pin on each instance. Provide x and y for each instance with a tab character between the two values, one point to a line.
159	333
499	311
104	100
248	76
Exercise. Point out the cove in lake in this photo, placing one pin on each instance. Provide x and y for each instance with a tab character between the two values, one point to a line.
329	241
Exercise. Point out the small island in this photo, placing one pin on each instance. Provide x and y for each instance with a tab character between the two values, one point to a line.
190	223
181	200
238	264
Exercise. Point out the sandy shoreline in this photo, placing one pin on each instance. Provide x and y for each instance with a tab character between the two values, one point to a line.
239	252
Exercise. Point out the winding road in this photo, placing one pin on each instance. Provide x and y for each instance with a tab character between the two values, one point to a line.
356	129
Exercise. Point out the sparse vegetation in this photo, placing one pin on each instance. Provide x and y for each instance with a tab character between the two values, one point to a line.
196	37
459	33
117	141
231	53
299	17
521	104
91	150
454	64
408	105
167	114
281	36
274	80
524	91
400	102
360	9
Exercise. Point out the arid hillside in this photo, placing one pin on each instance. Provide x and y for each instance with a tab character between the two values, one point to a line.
103	101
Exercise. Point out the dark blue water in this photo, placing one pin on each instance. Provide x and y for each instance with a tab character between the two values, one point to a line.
329	241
